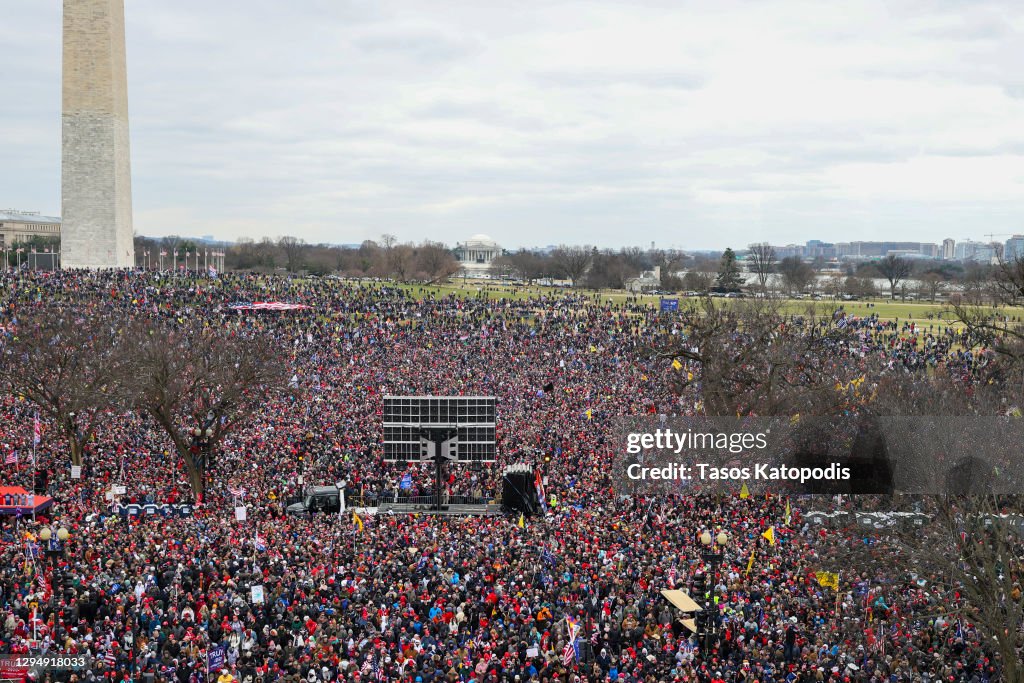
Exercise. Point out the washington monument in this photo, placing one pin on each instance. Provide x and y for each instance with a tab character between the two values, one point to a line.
96	189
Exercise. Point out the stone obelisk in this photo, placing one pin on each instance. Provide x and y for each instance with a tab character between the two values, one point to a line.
96	189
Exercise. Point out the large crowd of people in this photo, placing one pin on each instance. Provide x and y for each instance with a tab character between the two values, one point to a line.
419	597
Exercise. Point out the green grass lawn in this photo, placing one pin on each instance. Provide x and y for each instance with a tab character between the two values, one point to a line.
887	309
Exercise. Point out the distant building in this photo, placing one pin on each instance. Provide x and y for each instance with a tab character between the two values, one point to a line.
22	226
790	250
1014	248
948	249
969	250
816	248
649	279
870	250
476	254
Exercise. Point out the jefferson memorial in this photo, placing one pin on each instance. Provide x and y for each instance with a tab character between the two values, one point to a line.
476	253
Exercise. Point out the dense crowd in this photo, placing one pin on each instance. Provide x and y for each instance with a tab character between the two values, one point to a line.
435	598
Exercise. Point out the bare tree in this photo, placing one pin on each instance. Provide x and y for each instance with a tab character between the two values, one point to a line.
198	384
761	258
750	359
294	251
69	365
931	285
435	262
698	280
573	260
399	259
894	269
964	549
796	274
609	270
1009	280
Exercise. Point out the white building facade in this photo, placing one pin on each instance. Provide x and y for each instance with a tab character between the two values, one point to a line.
476	254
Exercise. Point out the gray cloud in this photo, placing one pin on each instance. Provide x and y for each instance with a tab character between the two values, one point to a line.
599	122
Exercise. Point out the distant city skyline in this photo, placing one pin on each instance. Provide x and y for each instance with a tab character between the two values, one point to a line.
702	126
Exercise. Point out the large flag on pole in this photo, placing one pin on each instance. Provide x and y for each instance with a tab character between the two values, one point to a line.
828	580
571	652
538	485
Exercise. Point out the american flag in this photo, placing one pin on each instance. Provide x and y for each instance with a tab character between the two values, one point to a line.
12	458
570	652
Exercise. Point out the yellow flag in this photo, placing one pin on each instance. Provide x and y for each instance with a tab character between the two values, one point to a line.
357	520
744	491
522	521
750	562
828	580
677	365
770	535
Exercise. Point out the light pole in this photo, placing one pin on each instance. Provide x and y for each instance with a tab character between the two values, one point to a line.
713	555
54	549
201	436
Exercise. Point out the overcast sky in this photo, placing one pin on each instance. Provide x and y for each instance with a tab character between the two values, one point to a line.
691	124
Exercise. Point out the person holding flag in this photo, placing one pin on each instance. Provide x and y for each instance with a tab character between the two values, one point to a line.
538	484
571	651
828	580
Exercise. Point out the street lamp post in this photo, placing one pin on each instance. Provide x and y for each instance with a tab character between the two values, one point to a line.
55	544
201	441
713	555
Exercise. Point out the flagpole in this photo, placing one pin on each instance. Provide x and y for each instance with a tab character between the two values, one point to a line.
839	575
